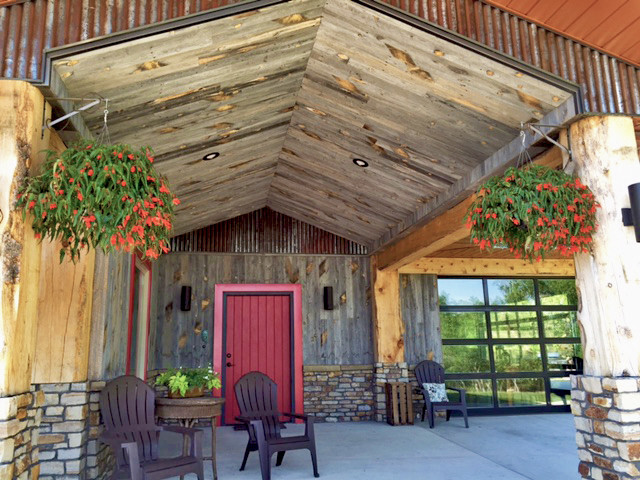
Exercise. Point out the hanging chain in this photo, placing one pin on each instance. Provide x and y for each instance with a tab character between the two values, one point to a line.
523	157
104	137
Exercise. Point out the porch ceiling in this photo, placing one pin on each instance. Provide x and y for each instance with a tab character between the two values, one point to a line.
289	94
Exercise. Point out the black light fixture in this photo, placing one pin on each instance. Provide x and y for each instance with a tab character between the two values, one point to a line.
360	162
327	298
211	156
631	216
185	298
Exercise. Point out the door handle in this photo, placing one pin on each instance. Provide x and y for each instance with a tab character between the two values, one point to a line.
229	364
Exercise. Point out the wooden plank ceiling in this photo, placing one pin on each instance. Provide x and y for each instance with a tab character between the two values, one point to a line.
290	94
609	25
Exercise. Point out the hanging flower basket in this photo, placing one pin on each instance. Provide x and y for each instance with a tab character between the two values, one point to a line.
533	211
101	196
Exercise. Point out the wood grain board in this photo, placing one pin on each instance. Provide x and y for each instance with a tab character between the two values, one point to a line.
339	336
290	94
226	86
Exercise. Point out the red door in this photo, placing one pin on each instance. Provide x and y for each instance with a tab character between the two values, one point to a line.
257	337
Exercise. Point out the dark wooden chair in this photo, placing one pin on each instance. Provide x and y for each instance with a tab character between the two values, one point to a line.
429	371
127	405
257	397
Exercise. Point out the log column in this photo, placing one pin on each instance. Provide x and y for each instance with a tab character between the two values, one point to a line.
21	114
388	334
606	399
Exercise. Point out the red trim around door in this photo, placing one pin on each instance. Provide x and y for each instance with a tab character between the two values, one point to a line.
296	290
132	287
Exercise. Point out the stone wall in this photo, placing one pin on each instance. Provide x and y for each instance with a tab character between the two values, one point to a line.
20	417
68	433
383	373
607	418
339	393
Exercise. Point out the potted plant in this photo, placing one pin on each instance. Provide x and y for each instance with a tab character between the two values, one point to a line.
189	382
101	196
532	211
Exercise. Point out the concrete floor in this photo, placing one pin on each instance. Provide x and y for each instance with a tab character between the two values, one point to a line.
536	447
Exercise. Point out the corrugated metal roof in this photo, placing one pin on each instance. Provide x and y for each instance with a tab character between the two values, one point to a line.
265	231
611	85
610	25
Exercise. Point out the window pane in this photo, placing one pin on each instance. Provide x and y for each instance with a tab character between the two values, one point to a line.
517	358
478	392
560	390
514	325
511	292
560	355
460	291
466	358
560	324
520	392
463	325
558	292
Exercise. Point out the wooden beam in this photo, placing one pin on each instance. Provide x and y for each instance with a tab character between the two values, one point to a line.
64	311
445	229
606	157
459	191
22	108
388	331
491	266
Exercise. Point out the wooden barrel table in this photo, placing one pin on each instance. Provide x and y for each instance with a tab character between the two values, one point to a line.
187	411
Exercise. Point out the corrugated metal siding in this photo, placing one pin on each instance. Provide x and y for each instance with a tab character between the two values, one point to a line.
610	85
265	231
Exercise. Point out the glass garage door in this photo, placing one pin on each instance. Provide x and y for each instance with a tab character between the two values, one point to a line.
510	342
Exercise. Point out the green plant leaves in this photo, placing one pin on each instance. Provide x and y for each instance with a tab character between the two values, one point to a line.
101	196
183	379
532	211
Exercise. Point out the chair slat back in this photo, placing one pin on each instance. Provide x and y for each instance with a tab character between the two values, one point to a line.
127	405
257	397
429	371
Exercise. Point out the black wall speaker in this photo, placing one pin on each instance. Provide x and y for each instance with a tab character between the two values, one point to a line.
185	298
327	298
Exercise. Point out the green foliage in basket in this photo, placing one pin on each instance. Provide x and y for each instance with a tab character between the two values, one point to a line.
180	380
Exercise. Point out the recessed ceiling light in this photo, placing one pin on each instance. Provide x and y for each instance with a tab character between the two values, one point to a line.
360	162
211	156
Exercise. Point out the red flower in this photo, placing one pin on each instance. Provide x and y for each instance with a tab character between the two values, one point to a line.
133	169
37	235
176	201
90	172
71	180
80	197
164	189
52	206
32	204
44	214
123	183
131	156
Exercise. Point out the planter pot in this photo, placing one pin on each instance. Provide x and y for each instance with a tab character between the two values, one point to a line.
191	393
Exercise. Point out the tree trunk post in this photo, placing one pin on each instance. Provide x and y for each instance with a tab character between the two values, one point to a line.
388	334
606	399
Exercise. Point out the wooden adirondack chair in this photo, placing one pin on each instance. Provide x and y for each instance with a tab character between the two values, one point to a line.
429	371
257	397
127	405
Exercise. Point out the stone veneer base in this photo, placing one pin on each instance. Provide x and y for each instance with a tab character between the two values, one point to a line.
339	393
607	418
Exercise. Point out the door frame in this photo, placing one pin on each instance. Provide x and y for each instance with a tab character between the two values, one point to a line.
295	290
143	315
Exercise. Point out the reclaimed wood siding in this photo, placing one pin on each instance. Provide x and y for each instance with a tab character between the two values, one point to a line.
110	316
421	317
340	336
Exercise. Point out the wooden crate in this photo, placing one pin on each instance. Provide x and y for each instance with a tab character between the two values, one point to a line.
399	403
